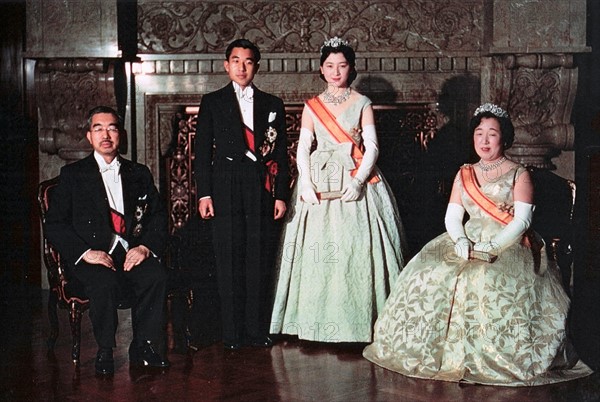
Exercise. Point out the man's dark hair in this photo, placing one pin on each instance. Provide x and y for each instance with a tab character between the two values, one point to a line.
246	44
103	109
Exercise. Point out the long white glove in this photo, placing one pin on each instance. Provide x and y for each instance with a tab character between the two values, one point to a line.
454	226
307	188
512	232
353	189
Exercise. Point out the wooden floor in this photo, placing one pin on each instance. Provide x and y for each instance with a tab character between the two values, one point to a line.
291	370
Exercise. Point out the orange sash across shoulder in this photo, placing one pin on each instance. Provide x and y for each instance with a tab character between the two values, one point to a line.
467	175
328	120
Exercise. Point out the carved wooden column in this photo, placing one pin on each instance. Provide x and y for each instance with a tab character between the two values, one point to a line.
538	90
530	72
74	45
66	90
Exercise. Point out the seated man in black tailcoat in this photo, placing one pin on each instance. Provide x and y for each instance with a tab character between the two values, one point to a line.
108	223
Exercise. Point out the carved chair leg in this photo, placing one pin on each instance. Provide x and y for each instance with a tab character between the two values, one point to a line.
53	319
75	320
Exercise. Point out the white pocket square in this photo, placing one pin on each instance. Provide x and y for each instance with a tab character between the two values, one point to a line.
272	116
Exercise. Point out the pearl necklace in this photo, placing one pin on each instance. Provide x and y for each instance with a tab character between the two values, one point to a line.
336	100
491	166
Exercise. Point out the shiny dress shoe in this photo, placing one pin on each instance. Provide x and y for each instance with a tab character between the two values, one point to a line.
146	356
262	342
105	365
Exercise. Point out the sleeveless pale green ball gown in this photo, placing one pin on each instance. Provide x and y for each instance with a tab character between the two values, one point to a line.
337	260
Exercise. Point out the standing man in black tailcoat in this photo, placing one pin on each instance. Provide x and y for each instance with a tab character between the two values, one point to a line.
242	173
108	223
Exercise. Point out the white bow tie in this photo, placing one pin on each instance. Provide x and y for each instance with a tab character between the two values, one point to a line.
246	93
114	165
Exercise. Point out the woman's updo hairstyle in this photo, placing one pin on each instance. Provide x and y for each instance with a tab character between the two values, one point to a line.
506	127
338	45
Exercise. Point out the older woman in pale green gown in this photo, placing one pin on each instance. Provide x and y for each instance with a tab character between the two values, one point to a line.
481	303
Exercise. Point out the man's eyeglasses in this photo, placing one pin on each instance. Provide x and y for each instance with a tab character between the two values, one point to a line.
110	129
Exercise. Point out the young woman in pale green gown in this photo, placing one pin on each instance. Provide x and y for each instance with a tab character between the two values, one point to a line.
341	247
481	303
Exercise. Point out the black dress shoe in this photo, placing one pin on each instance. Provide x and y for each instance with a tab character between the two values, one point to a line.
105	365
262	342
146	356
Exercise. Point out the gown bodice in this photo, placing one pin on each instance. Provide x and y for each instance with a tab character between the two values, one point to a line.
481	227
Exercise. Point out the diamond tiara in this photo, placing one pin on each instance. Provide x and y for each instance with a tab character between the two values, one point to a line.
335	42
493	109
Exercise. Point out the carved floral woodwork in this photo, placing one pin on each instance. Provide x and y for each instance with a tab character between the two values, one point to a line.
403	131
302	26
181	187
406	51
66	89
538	90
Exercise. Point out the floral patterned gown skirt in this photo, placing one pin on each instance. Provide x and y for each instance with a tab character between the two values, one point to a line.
337	260
497	323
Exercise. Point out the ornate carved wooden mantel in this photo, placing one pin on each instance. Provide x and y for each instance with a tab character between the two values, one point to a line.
424	63
519	54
